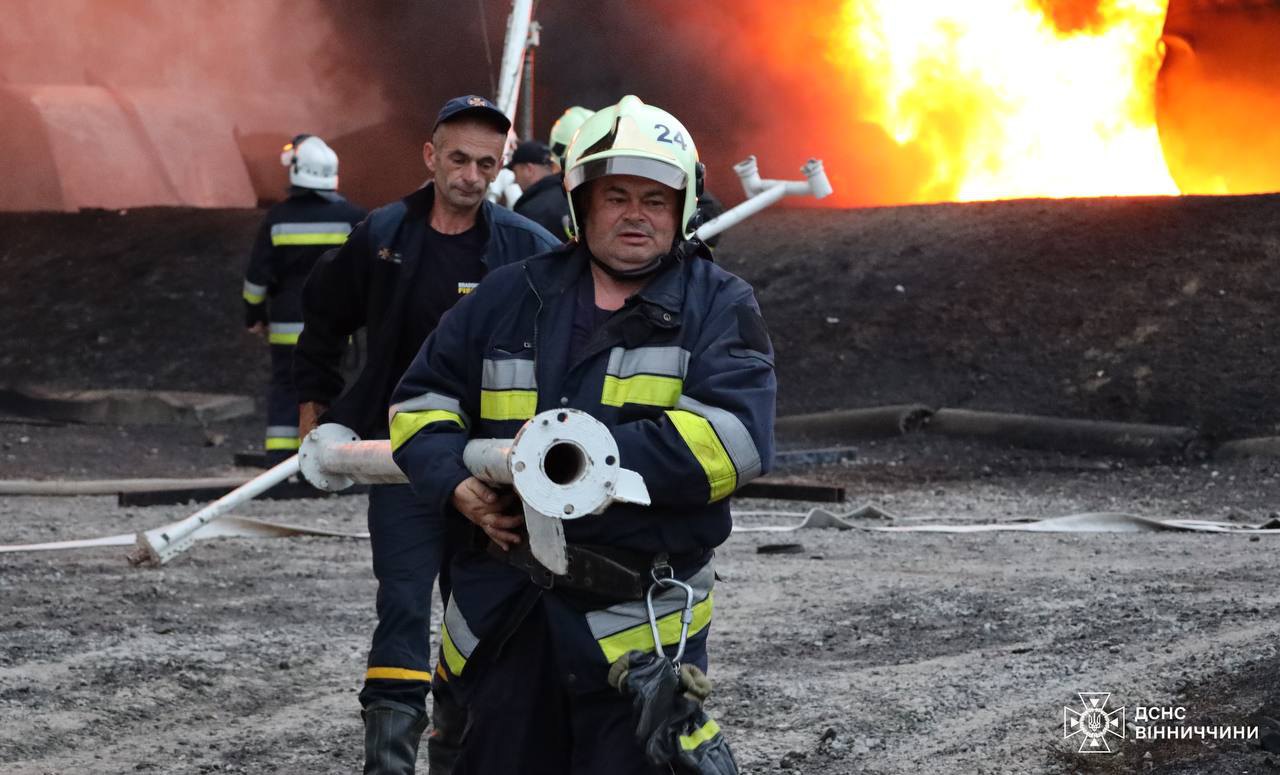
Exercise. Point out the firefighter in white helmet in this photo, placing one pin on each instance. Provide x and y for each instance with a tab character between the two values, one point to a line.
633	324
563	130
312	219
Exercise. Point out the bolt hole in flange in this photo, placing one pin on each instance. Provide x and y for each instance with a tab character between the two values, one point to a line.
519	466
610	460
564	463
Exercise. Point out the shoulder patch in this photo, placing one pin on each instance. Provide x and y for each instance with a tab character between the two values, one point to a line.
752	329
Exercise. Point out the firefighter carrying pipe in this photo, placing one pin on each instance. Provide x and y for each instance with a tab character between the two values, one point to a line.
762	194
563	464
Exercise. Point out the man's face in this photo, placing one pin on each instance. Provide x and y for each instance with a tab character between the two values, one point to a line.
463	158
630	220
527	173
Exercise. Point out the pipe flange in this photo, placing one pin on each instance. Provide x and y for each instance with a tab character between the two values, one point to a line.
310	457
564	463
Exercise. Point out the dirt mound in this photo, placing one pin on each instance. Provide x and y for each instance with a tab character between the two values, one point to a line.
1153	310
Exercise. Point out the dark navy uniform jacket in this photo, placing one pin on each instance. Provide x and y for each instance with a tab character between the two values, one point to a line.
546	203
682	375
290	240
368	283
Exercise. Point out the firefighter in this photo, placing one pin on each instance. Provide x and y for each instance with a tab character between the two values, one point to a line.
543	199
295	232
402	269
632	324
563	130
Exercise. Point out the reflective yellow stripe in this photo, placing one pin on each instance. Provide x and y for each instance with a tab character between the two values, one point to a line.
508	404
639	638
254	298
283	338
452	657
397	674
706	447
700	735
318	238
641	389
282	442
405	424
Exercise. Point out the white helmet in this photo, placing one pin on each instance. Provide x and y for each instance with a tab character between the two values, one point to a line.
311	163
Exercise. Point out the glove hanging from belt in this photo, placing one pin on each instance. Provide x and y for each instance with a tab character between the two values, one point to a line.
671	726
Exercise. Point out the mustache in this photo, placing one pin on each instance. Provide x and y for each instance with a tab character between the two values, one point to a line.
639	226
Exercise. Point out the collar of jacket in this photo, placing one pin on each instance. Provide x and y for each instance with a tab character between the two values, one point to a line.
558	270
418	205
298	192
554	180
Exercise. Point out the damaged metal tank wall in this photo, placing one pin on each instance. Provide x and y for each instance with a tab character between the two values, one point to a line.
127	103
1218	95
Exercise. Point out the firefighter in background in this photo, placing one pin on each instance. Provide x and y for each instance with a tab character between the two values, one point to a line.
563	130
632	324
398	276
312	219
543	200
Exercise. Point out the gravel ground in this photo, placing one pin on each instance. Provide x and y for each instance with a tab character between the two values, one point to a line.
866	652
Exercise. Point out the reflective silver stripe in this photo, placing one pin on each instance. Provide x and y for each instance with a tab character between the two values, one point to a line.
286	328
334	227
659	361
665	172
509	374
461	635
429	402
624	616
253	289
733	435
282	431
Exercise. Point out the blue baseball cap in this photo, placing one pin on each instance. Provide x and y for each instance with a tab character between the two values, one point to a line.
473	105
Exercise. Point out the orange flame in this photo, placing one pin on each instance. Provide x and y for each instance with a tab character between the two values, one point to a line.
1012	98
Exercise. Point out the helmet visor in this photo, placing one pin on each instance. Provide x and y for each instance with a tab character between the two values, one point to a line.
660	171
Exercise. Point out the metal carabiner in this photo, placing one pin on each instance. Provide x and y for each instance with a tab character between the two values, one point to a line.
686	614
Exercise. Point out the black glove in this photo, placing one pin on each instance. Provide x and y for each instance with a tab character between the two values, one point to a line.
671	726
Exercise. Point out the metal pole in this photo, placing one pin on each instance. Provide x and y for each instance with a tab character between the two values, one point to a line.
526	97
162	544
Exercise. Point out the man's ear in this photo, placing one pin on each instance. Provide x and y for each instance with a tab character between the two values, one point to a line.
429	157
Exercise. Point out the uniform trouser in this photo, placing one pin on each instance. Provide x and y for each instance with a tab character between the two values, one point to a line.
526	718
409	546
282	407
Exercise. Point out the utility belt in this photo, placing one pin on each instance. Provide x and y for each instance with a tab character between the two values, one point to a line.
600	573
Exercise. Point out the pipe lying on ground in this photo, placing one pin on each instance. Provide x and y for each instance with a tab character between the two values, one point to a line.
74	487
1259	446
1079	436
853	424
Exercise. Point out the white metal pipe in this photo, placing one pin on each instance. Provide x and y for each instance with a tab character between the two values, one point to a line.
489	460
763	193
735	215
160	545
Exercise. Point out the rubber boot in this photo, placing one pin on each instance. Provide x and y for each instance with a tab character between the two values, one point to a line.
448	723
392	732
